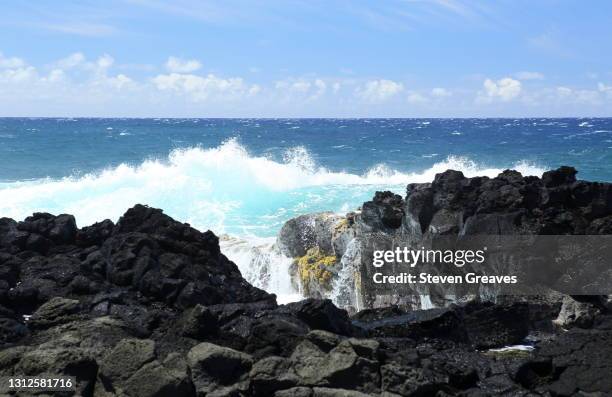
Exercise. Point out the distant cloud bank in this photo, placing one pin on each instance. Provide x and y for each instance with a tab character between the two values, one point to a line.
75	85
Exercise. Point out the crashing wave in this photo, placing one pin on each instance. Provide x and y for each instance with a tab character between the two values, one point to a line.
227	190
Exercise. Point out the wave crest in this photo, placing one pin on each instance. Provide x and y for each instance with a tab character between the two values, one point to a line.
223	188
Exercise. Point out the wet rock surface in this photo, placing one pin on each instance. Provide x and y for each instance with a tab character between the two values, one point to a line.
151	307
453	207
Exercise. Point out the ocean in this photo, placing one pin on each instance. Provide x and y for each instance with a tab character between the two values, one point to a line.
243	178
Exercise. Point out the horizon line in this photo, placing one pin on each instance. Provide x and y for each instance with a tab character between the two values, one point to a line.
303	118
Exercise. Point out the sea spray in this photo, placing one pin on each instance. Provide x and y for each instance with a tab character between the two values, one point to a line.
346	289
224	189
263	265
229	191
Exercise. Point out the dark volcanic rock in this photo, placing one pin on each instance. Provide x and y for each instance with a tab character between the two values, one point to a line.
322	314
488	325
480	324
151	307
302	233
386	210
579	361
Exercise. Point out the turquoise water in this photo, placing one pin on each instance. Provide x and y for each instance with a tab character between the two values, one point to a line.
246	177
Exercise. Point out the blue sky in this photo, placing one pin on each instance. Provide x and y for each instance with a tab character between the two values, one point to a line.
393	58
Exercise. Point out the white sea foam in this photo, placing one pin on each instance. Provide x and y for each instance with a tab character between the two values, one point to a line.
227	190
203	186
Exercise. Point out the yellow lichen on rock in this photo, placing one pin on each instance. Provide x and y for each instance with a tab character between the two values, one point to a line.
314	270
341	226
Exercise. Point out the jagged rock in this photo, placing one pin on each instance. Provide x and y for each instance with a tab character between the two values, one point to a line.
453	205
55	311
352	364
271	374
482	325
151	307
198	322
168	378
561	176
95	234
574	313
128	356
410	381
11	330
60	357
343	233
322	314
274	334
217	370
434	323
323	340
294	392
579	361
386	210
328	392
302	233
59	229
488	326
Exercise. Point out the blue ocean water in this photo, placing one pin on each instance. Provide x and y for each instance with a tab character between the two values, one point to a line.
245	177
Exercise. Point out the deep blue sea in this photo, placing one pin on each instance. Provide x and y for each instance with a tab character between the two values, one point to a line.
245	177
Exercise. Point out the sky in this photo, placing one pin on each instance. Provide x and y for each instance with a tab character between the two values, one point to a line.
306	58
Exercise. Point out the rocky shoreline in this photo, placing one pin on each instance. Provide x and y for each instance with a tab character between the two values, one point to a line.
151	307
333	253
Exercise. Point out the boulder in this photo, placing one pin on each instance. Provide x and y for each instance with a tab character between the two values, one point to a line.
218	370
385	211
157	379
488	325
128	356
272	374
576	314
55	311
577	362
304	232
198	322
323	315
352	364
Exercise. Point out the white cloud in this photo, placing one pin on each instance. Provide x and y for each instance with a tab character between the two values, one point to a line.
71	61
202	87
120	81
105	62
55	76
529	76
321	88
607	89
564	92
178	65
78	85
300	86
11	63
504	89
301	89
254	90
415	97
18	75
376	91
440	92
289	86
570	95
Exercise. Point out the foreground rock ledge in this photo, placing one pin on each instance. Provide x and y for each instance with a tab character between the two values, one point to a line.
151	307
